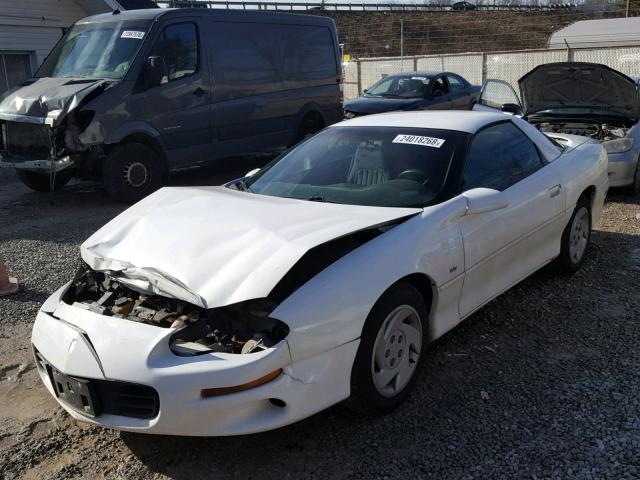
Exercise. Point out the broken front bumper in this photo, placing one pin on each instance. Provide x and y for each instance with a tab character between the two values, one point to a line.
85	345
40	165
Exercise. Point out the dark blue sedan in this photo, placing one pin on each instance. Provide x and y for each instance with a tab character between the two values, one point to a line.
415	91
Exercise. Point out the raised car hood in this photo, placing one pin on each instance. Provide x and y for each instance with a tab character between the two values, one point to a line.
47	100
579	85
369	105
213	246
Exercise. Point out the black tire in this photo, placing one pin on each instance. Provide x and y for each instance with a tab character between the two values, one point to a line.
132	171
567	263
309	126
41	182
365	396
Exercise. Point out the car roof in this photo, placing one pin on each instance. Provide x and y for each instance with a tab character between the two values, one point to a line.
155	13
461	121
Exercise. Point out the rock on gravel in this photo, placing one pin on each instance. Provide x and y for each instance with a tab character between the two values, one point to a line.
543	382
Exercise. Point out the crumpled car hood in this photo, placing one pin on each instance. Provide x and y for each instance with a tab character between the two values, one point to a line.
213	246
369	105
582	85
47	100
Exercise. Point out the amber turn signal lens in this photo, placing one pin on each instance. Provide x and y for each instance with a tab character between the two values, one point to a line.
215	392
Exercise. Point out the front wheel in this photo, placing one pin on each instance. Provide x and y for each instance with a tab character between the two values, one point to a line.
575	238
391	351
132	171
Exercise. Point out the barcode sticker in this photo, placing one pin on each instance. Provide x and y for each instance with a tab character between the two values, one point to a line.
419	140
132	34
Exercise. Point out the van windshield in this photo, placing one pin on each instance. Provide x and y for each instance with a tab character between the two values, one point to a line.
96	50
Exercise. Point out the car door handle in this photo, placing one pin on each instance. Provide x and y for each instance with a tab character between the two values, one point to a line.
555	191
199	92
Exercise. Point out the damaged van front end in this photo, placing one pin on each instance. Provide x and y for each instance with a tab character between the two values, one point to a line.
43	128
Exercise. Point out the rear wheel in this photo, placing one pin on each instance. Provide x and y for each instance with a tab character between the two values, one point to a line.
390	353
309	126
41	182
132	171
575	238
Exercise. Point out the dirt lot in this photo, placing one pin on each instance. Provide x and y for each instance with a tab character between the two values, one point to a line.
544	382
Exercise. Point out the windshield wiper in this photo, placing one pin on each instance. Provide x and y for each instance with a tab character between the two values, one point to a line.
318	198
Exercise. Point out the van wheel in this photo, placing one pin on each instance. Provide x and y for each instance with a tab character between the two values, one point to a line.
41	182
308	127
132	171
391	351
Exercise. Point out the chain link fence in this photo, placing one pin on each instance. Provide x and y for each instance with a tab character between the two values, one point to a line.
478	67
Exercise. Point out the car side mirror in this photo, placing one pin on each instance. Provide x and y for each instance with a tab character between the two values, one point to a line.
155	70
482	200
252	172
364	91
512	108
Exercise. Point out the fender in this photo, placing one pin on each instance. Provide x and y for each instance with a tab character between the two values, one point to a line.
133	128
331	308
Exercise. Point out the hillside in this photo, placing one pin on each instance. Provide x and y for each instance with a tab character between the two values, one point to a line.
377	34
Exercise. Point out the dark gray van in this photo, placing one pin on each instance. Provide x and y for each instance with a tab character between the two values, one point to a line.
129	96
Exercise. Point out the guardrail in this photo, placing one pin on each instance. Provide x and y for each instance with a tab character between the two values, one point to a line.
323	6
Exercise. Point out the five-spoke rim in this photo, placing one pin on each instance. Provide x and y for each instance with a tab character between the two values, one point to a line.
579	235
396	351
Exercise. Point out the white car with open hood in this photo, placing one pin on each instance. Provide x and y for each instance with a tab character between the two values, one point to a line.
320	278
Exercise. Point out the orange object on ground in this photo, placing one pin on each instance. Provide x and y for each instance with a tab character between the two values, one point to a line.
8	285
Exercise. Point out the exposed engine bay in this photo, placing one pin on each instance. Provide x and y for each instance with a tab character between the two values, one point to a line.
597	131
241	328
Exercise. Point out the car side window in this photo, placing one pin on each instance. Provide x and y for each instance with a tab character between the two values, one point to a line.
500	156
440	87
455	83
178	45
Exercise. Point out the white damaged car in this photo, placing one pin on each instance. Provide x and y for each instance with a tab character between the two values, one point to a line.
323	277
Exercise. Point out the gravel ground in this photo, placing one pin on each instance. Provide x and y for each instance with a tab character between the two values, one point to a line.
544	382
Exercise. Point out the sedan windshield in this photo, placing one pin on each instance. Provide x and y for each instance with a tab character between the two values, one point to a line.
96	50
374	166
400	87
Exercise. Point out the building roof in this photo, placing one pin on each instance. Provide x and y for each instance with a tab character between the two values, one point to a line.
598	33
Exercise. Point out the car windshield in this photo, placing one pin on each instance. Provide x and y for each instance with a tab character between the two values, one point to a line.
374	166
400	87
96	50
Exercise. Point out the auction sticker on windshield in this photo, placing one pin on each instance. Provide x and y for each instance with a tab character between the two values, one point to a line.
132	34
419	140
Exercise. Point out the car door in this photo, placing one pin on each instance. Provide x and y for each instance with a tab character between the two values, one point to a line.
504	246
460	96
180	108
495	94
438	97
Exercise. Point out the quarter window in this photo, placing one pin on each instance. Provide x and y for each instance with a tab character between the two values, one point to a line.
455	83
178	45
500	156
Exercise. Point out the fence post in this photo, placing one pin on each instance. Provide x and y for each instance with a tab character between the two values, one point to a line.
359	76
415	63
484	68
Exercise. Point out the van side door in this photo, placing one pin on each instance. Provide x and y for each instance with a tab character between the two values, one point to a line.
179	109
